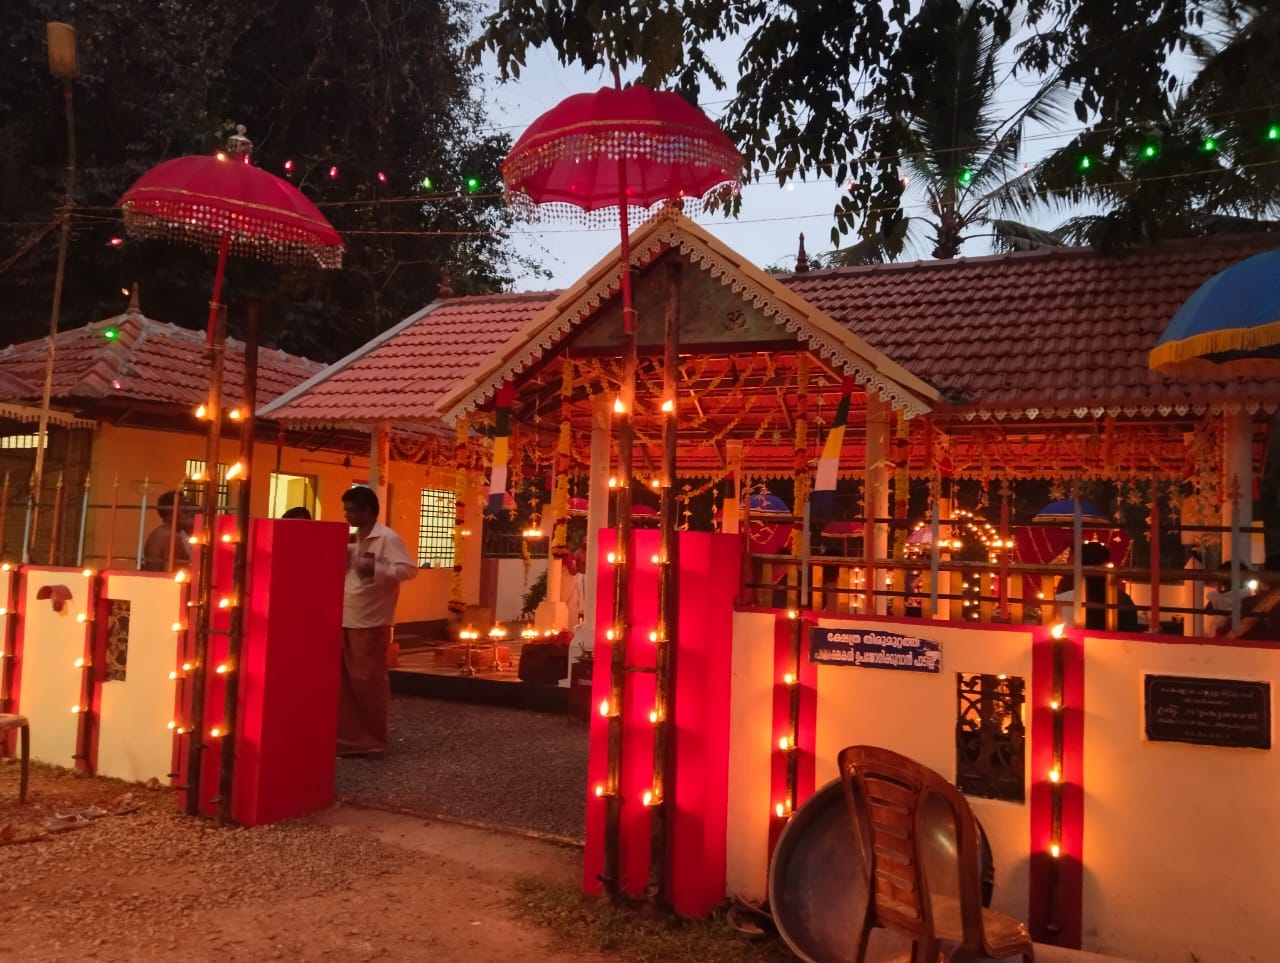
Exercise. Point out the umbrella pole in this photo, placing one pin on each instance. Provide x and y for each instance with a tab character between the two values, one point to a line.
622	568
668	601
204	590
235	641
215	302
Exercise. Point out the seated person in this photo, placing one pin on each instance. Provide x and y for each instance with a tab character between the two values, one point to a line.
164	544
1220	598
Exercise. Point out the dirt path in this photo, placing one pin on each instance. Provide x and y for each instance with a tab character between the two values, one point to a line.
143	883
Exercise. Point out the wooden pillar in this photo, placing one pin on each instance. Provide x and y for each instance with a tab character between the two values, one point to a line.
379	465
730	512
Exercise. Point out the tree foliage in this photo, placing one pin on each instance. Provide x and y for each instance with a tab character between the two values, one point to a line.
1208	163
826	86
378	87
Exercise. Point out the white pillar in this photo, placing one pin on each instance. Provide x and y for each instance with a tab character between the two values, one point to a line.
1237	463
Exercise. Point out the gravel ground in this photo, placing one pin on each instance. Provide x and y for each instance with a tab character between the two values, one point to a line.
141	882
509	767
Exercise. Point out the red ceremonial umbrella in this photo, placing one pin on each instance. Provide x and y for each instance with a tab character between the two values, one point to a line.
628	148
223	203
623	149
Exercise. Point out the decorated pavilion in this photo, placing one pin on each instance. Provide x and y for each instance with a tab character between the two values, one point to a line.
963	383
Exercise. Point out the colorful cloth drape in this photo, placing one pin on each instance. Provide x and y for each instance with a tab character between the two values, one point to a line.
824	485
501	449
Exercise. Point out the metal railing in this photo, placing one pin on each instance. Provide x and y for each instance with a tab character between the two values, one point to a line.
935	585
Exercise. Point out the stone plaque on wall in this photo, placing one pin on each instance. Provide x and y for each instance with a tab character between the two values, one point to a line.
1207	712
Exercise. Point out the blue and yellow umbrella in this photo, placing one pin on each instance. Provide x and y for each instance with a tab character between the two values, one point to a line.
1230	327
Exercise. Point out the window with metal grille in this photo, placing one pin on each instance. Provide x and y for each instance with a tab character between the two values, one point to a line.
436	513
22	441
990	736
194	490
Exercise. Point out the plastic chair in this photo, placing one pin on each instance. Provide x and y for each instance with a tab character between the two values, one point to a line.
886	795
15	721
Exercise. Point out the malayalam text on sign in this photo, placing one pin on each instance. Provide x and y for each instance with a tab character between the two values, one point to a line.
874	650
1208	712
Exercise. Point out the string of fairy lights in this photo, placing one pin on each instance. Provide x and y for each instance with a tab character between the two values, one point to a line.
425	190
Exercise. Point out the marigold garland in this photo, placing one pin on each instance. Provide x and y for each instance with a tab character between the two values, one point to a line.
457	597
802	479
560	498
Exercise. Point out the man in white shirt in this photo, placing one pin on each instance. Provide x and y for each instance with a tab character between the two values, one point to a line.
377	562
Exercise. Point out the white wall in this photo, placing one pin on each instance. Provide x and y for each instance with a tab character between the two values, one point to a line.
1182	842
750	747
910	712
512	582
134	741
914	713
51	684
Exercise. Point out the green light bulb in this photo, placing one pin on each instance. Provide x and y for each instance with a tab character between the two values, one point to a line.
426	183
1085	163
966	176
473	183
110	334
1273	132
1149	151
1209	144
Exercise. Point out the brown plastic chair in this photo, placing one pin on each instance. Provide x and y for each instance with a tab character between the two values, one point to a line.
886	795
15	721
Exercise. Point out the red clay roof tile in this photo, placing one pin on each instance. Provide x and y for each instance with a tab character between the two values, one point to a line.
1066	326
145	360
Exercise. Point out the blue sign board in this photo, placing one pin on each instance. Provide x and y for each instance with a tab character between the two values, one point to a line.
874	650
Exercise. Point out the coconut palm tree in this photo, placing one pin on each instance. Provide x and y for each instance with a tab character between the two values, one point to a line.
962	159
1208	164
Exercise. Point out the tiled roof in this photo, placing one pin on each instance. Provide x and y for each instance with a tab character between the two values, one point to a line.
13	388
145	360
1035	328
1065	328
401	374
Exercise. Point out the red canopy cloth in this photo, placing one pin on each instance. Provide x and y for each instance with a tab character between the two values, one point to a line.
1044	545
203	199
591	149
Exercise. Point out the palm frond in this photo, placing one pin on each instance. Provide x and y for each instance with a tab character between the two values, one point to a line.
1016	236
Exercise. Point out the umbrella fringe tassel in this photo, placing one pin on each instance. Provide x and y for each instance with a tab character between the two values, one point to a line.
1253	338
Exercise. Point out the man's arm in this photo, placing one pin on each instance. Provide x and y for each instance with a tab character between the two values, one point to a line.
396	564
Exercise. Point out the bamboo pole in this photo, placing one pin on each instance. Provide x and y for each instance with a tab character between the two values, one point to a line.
235	639
204	585
622	567
668	597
